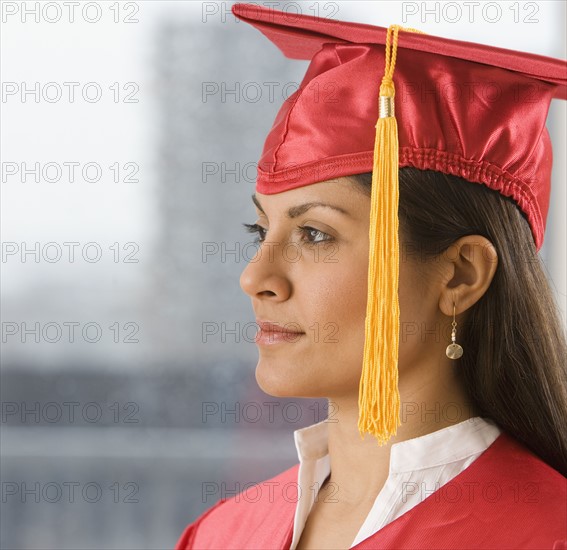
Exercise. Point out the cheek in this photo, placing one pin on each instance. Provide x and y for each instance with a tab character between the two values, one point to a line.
416	327
337	309
330	302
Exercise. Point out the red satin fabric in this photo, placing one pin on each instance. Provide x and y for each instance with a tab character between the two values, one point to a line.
507	499
456	116
301	37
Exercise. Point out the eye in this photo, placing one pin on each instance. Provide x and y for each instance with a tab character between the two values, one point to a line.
254	228
308	234
314	236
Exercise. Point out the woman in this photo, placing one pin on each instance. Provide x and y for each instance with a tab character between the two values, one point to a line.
468	400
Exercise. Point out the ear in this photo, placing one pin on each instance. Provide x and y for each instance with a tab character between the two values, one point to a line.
469	267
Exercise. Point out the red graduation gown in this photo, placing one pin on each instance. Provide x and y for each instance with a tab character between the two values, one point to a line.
506	499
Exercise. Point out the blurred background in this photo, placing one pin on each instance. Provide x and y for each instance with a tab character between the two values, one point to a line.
128	140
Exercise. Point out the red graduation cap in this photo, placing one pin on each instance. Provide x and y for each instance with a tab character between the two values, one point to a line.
463	109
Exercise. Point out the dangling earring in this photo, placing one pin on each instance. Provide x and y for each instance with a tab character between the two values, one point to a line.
454	351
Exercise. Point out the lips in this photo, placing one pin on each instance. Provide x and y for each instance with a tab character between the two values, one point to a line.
271	333
272	326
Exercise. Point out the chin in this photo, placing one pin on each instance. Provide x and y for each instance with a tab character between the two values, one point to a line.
285	380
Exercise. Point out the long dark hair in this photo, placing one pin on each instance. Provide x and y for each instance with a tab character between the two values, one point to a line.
514	367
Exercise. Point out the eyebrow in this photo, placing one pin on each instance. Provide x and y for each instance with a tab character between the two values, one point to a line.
296	211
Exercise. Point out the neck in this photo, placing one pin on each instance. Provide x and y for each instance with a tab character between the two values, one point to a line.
359	467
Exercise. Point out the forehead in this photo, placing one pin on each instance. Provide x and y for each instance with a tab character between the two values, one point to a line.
342	191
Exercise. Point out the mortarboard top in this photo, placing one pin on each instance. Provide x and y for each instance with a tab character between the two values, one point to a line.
301	37
464	109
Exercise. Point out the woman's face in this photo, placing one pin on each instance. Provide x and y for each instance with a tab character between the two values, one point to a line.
310	276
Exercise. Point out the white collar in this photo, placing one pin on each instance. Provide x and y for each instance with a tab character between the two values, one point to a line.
444	446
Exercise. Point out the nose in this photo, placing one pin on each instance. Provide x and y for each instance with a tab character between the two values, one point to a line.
265	276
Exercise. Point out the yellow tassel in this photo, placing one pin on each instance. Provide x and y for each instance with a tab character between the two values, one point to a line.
379	397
